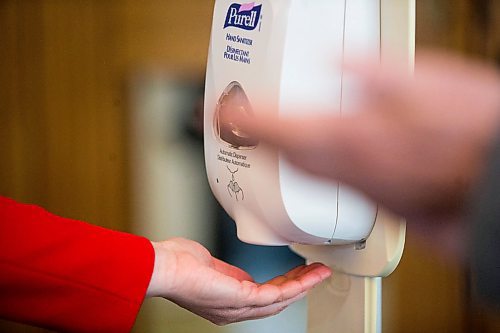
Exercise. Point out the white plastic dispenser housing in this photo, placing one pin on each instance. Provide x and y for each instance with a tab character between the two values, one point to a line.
285	57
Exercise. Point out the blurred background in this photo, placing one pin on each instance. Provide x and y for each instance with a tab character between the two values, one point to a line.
99	121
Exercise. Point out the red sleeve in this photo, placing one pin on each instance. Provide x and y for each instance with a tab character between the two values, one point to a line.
68	275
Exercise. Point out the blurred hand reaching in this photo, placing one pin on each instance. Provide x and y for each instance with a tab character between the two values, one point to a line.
415	144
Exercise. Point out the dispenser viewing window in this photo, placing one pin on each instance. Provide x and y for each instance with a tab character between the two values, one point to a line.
233	104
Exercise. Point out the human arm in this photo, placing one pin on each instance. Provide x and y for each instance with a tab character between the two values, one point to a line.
68	275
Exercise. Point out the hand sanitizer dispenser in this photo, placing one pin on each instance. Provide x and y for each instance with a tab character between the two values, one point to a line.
283	57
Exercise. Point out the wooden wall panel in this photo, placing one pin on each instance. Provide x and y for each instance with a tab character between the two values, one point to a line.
22	123
63	119
63	132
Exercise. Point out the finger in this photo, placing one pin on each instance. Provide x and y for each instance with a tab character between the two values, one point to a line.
263	295
301	270
377	78
260	312
292	274
286	287
308	279
278	280
296	271
302	138
223	316
314	275
231	270
273	309
277	132
267	293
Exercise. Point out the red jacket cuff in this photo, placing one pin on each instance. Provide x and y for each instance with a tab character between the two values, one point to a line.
68	275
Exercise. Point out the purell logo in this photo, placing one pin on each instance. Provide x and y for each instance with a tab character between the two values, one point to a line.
245	16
